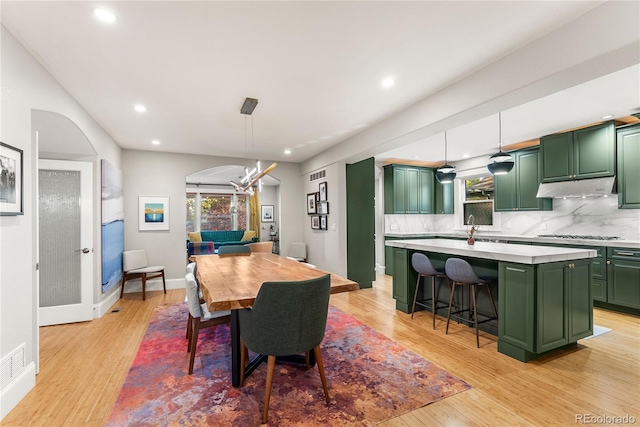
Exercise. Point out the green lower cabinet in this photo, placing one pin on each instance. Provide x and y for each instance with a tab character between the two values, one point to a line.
516	305
624	283
552	309
404	279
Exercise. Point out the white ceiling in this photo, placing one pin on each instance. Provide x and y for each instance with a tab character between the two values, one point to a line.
315	67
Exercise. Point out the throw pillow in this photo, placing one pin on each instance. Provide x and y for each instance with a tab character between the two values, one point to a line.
195	237
248	235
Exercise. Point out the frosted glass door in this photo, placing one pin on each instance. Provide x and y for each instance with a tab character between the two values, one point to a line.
65	289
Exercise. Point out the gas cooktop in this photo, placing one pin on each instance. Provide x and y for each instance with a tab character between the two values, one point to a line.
579	236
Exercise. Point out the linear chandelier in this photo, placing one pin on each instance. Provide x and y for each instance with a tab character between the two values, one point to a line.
254	176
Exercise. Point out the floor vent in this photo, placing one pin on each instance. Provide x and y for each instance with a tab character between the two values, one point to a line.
12	365
317	175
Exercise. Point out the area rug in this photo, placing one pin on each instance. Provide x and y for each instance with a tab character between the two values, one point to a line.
371	378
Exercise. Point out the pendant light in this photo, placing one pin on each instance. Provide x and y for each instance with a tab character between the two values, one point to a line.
446	173
500	163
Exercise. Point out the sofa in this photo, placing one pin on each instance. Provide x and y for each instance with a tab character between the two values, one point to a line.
206	242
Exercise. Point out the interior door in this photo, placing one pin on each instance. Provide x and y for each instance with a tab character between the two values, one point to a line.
361	257
65	201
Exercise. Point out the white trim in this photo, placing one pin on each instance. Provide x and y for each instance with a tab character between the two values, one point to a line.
105	305
17	389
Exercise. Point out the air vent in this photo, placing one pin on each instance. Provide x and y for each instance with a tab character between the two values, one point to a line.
12	365
317	175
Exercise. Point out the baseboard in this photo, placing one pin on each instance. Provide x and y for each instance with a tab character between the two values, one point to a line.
17	390
105	305
153	285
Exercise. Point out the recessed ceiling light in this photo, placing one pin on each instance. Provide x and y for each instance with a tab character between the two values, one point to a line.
104	15
140	108
607	116
465	156
155	142
287	151
388	82
416	157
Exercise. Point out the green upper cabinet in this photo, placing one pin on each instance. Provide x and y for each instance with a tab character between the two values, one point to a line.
408	190
443	197
629	167
516	191
580	154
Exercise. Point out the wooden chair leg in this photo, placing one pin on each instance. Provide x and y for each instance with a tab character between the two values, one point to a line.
164	284
124	279
415	295
189	320
271	366
453	291
475	313
323	378
144	285
434	300
195	322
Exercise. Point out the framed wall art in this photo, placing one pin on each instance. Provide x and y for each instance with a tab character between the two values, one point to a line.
323	208
315	222
311	203
323	191
11	189
153	213
323	222
266	213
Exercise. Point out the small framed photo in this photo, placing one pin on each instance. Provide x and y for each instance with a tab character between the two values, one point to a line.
266	213
315	222
323	208
323	191
153	213
323	222
317	198
11	189
311	203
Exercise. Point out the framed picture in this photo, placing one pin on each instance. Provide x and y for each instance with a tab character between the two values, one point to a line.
317	197
266	213
11	190
323	191
323	222
323	208
315	222
311	203
153	213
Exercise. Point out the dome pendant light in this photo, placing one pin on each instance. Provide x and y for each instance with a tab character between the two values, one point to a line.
500	163
446	173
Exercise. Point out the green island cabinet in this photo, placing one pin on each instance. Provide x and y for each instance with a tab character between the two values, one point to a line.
628	175
543	307
583	153
623	284
414	190
516	190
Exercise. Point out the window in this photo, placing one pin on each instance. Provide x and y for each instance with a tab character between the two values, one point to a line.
208	211
478	199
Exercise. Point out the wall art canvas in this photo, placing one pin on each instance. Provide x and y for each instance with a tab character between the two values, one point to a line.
11	192
153	213
112	225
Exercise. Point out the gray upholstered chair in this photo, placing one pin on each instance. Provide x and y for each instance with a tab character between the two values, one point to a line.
191	268
134	265
200	317
422	265
461	273
298	251
287	318
234	250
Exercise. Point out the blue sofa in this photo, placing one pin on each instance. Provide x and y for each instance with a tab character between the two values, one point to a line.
219	238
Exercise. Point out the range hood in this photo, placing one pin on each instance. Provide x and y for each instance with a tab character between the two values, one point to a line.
594	187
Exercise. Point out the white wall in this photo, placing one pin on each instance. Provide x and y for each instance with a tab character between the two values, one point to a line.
27	86
149	173
269	196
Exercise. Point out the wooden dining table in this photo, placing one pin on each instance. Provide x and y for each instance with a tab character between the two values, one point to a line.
232	283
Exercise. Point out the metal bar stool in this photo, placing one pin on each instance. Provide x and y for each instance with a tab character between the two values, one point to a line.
422	265
461	273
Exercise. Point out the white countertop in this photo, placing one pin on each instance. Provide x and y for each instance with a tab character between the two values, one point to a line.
522	254
619	243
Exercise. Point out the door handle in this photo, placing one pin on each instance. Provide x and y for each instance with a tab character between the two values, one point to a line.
83	250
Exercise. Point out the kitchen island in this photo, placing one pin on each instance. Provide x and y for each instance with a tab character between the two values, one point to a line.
543	293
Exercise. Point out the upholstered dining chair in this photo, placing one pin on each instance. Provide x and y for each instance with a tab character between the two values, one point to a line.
134	265
261	247
191	268
287	318
298	251
423	266
234	250
200	317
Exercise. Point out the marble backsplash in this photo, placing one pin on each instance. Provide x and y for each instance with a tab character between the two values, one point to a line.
598	216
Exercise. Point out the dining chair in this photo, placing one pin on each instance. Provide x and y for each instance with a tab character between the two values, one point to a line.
261	246
193	269
201	317
134	265
287	318
298	251
234	250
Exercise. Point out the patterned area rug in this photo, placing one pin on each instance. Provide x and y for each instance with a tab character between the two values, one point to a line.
371	378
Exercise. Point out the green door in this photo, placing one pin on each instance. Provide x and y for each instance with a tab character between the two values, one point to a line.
552	307
516	305
412	191
399	190
557	157
361	222
425	191
629	167
505	187
528	181
624	283
594	151
443	194
580	301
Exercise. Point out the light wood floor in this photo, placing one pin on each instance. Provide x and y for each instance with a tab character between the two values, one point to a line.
84	365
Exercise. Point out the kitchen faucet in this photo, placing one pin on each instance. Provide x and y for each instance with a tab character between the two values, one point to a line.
471	220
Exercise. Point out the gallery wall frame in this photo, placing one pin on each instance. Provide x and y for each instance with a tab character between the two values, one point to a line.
153	213
323	208
266	213
311	203
315	222
323	222
322	189
11	176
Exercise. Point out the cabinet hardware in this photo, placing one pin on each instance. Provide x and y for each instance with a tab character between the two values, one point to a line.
609	262
625	253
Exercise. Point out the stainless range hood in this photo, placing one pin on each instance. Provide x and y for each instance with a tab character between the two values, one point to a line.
594	187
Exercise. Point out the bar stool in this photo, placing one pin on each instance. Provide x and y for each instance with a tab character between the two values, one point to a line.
461	273
422	265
